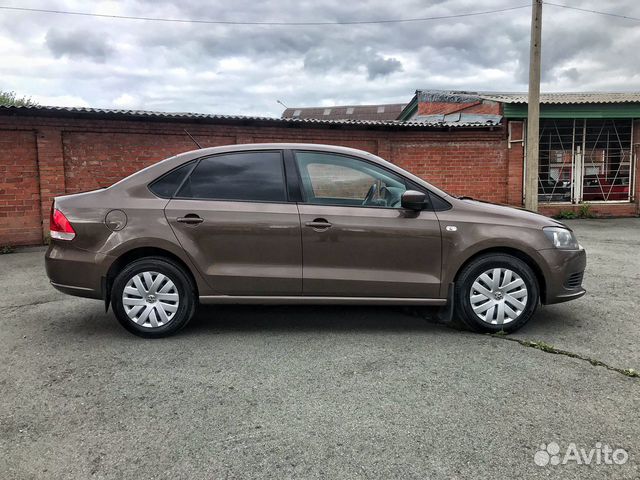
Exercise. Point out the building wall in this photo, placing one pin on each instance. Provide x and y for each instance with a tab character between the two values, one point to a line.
41	158
20	216
45	157
443	108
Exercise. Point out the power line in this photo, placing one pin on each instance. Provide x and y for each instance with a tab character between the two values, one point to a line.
226	22
346	22
593	11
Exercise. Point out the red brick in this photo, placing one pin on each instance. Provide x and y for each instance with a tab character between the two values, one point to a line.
41	158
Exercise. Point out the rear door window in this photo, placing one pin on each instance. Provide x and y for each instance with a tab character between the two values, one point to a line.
242	176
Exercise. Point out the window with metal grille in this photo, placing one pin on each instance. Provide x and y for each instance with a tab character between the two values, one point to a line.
585	160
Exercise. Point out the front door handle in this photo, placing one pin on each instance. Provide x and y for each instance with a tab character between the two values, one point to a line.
191	219
319	224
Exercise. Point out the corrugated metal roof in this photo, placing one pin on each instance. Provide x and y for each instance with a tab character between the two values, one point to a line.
388	111
545	98
213	118
567	98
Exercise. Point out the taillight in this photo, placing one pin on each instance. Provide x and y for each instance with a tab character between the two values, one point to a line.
59	226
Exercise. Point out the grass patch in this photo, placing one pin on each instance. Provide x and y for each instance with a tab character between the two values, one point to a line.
584	211
7	249
548	348
565	215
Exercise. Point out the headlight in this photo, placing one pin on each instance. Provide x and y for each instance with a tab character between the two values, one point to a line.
561	238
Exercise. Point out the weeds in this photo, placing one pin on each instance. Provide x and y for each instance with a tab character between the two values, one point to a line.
545	347
584	211
565	215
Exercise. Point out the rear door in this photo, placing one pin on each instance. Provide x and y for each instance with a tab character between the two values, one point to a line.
233	217
357	240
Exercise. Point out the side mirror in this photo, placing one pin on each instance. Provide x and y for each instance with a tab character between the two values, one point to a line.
413	200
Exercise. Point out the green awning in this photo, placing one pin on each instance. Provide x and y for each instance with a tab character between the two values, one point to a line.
588	110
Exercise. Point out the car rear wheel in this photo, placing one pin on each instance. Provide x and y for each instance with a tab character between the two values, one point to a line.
153	297
495	292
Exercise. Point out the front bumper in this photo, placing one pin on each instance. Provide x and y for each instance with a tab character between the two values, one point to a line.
563	274
76	272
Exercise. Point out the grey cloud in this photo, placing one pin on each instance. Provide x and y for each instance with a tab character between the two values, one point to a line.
571	73
381	67
350	60
243	69
78	43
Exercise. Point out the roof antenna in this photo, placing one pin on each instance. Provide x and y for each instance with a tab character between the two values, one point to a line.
191	137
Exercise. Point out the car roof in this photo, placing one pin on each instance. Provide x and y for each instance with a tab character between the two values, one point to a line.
278	146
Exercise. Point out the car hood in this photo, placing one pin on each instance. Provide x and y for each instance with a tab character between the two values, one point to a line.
504	214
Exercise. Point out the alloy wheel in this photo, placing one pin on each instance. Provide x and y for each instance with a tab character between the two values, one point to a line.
498	296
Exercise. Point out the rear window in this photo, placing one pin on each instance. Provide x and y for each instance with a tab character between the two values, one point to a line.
244	176
167	185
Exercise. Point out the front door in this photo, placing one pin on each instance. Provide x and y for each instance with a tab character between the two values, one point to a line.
233	218
357	240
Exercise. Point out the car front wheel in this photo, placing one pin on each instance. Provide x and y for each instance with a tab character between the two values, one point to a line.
495	292
153	297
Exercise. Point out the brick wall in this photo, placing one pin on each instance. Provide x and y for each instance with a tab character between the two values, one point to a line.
443	108
515	155
41	157
474	164
20	216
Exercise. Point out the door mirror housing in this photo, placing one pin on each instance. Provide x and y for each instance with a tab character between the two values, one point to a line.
414	200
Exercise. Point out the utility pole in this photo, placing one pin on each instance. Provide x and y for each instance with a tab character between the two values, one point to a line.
533	113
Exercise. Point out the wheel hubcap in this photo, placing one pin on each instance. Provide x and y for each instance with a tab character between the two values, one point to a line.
498	296
150	299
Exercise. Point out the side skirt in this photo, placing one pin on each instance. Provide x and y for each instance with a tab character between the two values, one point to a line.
304	300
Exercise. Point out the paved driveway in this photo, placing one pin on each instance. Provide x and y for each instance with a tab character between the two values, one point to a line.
331	392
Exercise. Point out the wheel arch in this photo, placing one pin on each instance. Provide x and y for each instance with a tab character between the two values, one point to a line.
135	254
514	252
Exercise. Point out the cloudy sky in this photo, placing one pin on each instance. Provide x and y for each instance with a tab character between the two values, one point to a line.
83	61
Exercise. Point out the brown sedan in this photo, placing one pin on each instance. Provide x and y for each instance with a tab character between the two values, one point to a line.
303	224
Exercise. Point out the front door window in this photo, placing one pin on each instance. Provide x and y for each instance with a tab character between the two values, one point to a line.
330	179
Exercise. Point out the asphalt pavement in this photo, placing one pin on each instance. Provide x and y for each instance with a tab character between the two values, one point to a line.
321	392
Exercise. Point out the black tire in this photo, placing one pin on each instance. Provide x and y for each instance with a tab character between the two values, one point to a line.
463	314
183	283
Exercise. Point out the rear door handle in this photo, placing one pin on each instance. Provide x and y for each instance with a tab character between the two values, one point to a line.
319	224
191	219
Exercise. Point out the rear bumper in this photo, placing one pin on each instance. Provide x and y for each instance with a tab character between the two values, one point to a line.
76	272
562	268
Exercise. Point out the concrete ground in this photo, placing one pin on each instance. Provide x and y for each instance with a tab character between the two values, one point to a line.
318	392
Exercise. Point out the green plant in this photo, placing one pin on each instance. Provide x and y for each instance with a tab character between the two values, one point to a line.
12	99
584	211
5	249
565	215
545	347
